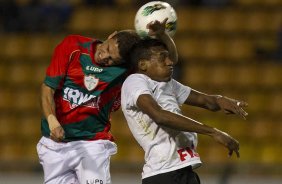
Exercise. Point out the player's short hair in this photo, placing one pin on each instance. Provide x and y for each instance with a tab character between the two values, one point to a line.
143	51
126	39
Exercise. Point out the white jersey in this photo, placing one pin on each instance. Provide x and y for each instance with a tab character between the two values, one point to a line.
165	149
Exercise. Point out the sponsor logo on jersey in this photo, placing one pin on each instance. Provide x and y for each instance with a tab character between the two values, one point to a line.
90	82
187	152
94	69
77	98
94	181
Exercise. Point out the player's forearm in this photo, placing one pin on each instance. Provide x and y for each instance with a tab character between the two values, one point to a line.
183	123
199	99
168	41
48	106
47	100
211	102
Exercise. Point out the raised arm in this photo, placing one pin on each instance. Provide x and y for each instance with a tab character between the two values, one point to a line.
157	29
217	103
162	117
48	108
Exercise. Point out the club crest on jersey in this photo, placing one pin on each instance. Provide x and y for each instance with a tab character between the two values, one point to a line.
90	82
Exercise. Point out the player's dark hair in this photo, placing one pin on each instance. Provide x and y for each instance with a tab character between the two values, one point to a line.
143	51
126	39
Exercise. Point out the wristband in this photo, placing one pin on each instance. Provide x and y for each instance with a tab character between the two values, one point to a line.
52	121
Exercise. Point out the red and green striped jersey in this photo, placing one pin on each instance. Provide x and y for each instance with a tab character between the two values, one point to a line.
85	93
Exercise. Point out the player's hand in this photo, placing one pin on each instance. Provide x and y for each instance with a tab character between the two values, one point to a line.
156	28
226	140
231	106
57	132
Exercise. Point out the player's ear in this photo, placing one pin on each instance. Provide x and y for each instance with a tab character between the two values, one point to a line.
142	65
112	35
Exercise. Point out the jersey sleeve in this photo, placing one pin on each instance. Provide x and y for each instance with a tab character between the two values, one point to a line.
133	87
181	91
56	71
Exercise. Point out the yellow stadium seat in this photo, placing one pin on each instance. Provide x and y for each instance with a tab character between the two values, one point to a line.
214	48
189	47
85	18
194	75
30	152
275	103
220	75
11	150
245	75
239	48
258	102
4	70
250	152
271	74
200	19
6	97
271	153
40	46
231	20
237	127
205	20
29	125
21	72
256	21
14	46
27	99
262	129
273	3
8	126
39	72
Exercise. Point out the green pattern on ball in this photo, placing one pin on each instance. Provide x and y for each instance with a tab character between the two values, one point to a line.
151	9
170	26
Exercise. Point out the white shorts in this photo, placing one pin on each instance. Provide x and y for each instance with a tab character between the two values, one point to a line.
76	162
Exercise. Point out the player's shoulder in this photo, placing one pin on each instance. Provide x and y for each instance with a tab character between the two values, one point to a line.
136	77
136	81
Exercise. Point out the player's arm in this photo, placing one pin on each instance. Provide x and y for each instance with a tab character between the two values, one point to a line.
157	29
165	118
48	108
216	103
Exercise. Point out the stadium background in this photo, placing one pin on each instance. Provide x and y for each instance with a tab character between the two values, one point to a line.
229	47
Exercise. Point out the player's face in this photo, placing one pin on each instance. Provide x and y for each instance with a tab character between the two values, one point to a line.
107	53
160	67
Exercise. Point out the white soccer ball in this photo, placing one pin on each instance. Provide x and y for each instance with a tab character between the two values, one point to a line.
155	10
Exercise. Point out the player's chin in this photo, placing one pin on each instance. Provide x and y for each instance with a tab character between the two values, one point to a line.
166	79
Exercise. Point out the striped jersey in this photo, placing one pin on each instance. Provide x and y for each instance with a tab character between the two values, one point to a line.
85	93
165	149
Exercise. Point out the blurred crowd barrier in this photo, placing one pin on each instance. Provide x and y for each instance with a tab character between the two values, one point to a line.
231	50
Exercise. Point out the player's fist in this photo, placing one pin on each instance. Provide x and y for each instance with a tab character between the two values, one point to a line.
57	132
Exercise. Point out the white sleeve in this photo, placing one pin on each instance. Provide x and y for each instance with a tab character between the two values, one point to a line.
181	91
134	86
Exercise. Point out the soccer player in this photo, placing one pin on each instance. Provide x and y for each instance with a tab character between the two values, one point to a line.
81	89
151	100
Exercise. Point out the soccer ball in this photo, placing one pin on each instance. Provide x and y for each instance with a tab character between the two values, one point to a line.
155	10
